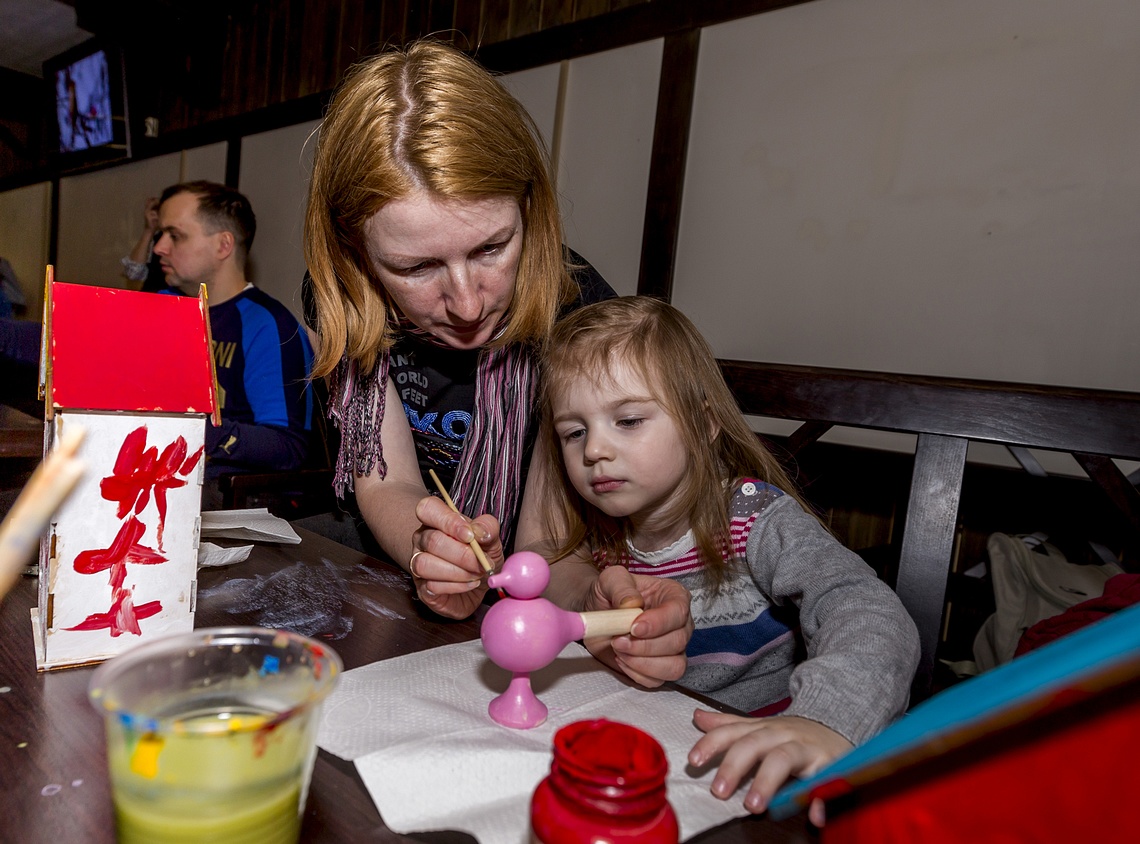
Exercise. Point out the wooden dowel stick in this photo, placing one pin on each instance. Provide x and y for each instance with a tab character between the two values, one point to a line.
474	543
609	622
49	485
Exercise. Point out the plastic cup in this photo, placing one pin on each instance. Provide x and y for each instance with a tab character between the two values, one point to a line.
211	735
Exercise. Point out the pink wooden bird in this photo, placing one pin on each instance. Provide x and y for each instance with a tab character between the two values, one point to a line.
524	633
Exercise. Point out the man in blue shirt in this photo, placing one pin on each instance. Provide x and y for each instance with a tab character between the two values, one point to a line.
262	354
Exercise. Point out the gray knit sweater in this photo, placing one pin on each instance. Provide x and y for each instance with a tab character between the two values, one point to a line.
861	645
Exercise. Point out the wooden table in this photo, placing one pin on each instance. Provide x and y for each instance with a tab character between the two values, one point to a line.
21	435
54	786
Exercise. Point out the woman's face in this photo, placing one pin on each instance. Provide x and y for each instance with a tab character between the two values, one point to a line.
448	265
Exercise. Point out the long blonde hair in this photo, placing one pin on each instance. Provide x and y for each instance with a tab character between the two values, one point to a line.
425	117
656	339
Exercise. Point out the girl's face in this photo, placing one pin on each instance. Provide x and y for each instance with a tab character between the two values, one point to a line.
448	265
623	453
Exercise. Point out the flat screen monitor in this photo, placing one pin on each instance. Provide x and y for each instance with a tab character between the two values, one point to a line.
89	104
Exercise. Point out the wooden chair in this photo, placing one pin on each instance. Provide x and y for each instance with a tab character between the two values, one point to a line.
946	414
292	495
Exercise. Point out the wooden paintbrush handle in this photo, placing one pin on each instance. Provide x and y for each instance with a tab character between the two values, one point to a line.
52	481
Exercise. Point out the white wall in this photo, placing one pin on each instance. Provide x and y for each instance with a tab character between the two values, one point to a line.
605	149
537	90
946	188
25	225
101	217
920	186
208	162
101	213
275	171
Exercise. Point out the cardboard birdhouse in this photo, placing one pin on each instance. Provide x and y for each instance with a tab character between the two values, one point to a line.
118	564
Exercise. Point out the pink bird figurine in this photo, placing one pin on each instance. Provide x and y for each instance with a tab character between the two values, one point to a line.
524	633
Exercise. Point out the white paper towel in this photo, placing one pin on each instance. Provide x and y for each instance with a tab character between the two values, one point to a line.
256	524
418	730
212	556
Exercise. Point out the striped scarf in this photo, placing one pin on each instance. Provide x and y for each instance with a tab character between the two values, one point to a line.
489	476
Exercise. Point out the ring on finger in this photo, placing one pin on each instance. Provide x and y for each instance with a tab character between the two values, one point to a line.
412	565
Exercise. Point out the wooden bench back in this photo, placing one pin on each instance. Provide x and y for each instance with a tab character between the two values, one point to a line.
946	413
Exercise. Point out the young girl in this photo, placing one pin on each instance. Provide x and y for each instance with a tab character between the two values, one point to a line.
655	469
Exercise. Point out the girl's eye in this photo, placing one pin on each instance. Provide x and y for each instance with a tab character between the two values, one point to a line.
571	436
632	422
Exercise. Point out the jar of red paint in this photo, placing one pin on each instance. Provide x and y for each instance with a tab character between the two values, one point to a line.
606	786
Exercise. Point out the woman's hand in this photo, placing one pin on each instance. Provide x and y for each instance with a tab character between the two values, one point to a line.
447	575
784	746
654	650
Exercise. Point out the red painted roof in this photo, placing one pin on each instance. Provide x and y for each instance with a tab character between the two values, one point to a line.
123	350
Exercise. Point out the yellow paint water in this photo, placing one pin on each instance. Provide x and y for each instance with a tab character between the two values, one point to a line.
216	776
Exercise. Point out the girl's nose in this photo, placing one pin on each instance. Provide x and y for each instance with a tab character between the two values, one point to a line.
597	446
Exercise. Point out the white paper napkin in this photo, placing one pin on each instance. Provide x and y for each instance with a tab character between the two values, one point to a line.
256	524
432	759
211	555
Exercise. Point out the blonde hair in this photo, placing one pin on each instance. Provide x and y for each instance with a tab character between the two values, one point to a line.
654	338
425	117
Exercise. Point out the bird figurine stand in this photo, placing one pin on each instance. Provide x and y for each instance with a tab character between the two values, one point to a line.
523	633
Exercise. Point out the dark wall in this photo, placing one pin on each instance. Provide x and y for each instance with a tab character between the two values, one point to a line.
21	122
190	65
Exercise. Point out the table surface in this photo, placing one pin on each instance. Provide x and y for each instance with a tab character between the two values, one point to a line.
54	786
21	435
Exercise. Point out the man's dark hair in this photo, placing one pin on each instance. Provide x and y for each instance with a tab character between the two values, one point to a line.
221	208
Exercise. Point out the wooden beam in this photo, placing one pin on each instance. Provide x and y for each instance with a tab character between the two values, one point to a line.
928	544
1058	418
667	164
629	25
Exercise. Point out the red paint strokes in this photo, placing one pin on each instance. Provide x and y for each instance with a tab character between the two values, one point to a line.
124	549
139	471
122	617
191	461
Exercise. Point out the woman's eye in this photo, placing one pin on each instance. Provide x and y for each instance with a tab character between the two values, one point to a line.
490	248
414	269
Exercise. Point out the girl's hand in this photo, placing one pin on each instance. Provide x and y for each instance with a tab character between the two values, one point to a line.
783	746
446	574
654	650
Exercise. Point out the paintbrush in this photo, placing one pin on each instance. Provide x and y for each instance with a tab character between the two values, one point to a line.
474	543
49	485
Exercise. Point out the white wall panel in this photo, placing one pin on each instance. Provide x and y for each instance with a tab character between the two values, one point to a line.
275	171
207	162
25	223
920	186
537	90
101	216
607	141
